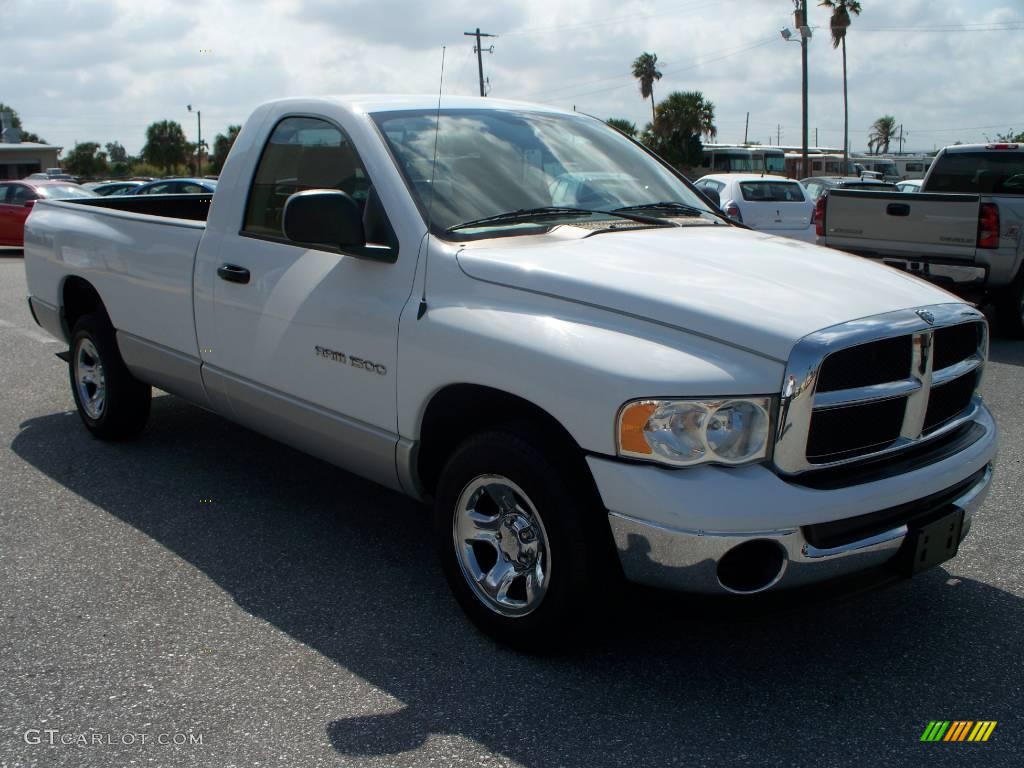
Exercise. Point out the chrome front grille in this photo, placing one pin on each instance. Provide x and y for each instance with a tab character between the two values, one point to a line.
879	385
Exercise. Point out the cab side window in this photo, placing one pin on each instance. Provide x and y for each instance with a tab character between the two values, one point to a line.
308	153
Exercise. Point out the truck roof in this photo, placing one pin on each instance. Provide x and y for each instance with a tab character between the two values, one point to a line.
992	146
399	102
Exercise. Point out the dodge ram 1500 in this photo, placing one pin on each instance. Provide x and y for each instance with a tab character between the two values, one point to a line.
620	384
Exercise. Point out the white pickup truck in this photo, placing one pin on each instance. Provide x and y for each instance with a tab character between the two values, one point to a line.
964	229
621	385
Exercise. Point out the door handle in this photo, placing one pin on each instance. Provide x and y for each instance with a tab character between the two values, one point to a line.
898	209
233	273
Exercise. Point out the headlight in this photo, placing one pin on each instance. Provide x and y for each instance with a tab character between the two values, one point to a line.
688	432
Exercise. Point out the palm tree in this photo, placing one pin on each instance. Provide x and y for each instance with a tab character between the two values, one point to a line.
840	22
686	112
645	69
882	131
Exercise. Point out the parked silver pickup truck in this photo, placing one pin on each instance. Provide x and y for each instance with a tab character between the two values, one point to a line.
963	230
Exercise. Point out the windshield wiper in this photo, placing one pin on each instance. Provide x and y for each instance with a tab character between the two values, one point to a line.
550	212
672	206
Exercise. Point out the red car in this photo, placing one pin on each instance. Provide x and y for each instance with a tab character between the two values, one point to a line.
17	199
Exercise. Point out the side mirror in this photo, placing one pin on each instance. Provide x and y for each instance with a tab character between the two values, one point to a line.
323	217
713	196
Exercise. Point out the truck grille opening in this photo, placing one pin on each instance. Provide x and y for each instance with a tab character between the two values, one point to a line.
955	343
948	400
844	433
866	364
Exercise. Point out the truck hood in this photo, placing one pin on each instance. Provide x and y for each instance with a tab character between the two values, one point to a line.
749	290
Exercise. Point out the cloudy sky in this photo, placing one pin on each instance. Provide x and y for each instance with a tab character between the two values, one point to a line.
102	70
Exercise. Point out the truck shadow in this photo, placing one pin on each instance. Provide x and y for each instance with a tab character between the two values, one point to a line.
347	568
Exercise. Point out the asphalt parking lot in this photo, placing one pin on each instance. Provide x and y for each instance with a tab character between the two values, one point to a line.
225	601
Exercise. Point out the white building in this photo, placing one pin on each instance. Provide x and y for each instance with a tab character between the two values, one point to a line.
20	158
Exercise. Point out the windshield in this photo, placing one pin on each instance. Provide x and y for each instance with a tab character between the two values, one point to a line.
491	162
62	191
732	161
774	163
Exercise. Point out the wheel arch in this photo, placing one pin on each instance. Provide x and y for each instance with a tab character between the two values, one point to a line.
457	411
79	297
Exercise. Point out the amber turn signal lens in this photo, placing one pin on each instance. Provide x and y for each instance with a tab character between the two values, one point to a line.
631	427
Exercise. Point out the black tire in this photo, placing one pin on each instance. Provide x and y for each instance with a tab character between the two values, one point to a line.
1010	309
583	574
122	412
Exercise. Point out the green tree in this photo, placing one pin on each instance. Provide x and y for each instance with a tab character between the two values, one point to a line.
221	146
16	123
1009	136
839	24
681	119
166	146
645	69
620	124
120	163
882	131
86	160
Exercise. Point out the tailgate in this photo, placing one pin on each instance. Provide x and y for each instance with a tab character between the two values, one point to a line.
944	226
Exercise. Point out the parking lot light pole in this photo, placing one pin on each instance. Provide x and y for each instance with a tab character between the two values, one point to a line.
199	143
805	33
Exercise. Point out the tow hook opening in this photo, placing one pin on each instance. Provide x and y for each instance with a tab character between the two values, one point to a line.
752	566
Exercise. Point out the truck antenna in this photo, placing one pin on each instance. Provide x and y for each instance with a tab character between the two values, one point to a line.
430	207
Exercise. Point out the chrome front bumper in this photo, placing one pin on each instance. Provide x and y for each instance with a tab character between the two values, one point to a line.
688	560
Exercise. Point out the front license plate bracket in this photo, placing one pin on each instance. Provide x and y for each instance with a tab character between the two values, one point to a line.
937	541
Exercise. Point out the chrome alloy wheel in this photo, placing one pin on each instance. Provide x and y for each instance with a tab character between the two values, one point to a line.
89	378
501	545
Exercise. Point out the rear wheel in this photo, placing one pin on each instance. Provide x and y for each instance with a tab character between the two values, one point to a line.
523	540
112	403
1010	309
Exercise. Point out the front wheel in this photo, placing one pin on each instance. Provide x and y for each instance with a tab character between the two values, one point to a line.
523	540
112	403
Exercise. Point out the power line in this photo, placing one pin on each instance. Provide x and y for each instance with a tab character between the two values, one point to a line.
701	5
668	71
993	27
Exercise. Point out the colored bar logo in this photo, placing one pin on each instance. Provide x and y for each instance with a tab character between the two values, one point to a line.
959	730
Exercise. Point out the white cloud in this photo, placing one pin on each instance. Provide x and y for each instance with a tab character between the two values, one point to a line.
103	71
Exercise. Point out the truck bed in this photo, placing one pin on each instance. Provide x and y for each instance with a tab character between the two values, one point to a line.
138	252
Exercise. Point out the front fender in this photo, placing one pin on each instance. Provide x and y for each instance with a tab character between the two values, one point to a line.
578	363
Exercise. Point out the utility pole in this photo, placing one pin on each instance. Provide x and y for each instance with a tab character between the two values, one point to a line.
901	138
480	54
804	32
746	127
778	134
199	143
816	138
